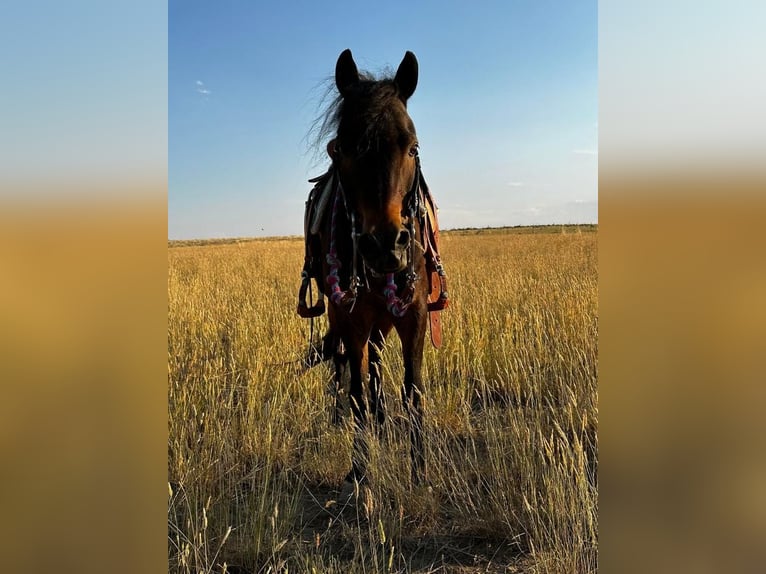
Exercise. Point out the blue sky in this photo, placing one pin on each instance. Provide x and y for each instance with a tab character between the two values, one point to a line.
506	107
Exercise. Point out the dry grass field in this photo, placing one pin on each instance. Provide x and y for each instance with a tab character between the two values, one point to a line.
255	466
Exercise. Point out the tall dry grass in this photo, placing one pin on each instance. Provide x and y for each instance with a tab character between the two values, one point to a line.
255	465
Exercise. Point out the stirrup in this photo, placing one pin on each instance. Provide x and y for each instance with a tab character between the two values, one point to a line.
303	309
310	312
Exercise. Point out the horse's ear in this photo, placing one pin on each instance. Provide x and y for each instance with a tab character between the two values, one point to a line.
406	77
346	74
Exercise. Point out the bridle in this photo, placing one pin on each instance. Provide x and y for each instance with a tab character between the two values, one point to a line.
412	209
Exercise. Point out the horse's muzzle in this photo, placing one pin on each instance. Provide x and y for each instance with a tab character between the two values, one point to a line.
385	252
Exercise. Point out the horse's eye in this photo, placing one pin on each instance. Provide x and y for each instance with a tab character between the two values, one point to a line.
414	150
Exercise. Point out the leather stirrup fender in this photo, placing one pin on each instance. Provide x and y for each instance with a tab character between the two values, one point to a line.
438	298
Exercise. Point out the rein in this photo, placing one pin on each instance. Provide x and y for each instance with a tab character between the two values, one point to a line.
396	305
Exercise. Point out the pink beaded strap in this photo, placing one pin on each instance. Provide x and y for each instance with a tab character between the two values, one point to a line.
396	306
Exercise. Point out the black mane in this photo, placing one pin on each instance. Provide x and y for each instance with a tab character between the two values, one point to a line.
363	116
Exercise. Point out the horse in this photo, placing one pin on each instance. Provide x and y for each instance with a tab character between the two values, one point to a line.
371	247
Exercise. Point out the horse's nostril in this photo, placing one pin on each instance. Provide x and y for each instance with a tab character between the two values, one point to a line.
404	238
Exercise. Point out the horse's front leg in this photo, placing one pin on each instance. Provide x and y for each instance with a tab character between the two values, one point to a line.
357	364
340	362
412	333
377	397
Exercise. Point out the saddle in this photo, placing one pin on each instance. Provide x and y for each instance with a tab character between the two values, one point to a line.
316	211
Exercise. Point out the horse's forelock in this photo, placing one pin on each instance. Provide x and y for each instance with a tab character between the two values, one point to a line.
372	115
367	104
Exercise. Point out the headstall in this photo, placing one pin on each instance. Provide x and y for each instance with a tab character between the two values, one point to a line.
396	305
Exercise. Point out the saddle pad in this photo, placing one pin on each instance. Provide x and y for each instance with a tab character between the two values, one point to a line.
321	205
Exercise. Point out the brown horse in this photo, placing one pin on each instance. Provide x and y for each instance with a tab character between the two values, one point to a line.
370	245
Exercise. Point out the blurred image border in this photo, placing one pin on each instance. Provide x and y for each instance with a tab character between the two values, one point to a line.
682	277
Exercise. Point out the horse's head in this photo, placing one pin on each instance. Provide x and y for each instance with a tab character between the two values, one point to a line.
375	153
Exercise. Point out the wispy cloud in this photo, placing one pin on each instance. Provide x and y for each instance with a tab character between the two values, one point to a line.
585	151
201	89
528	186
